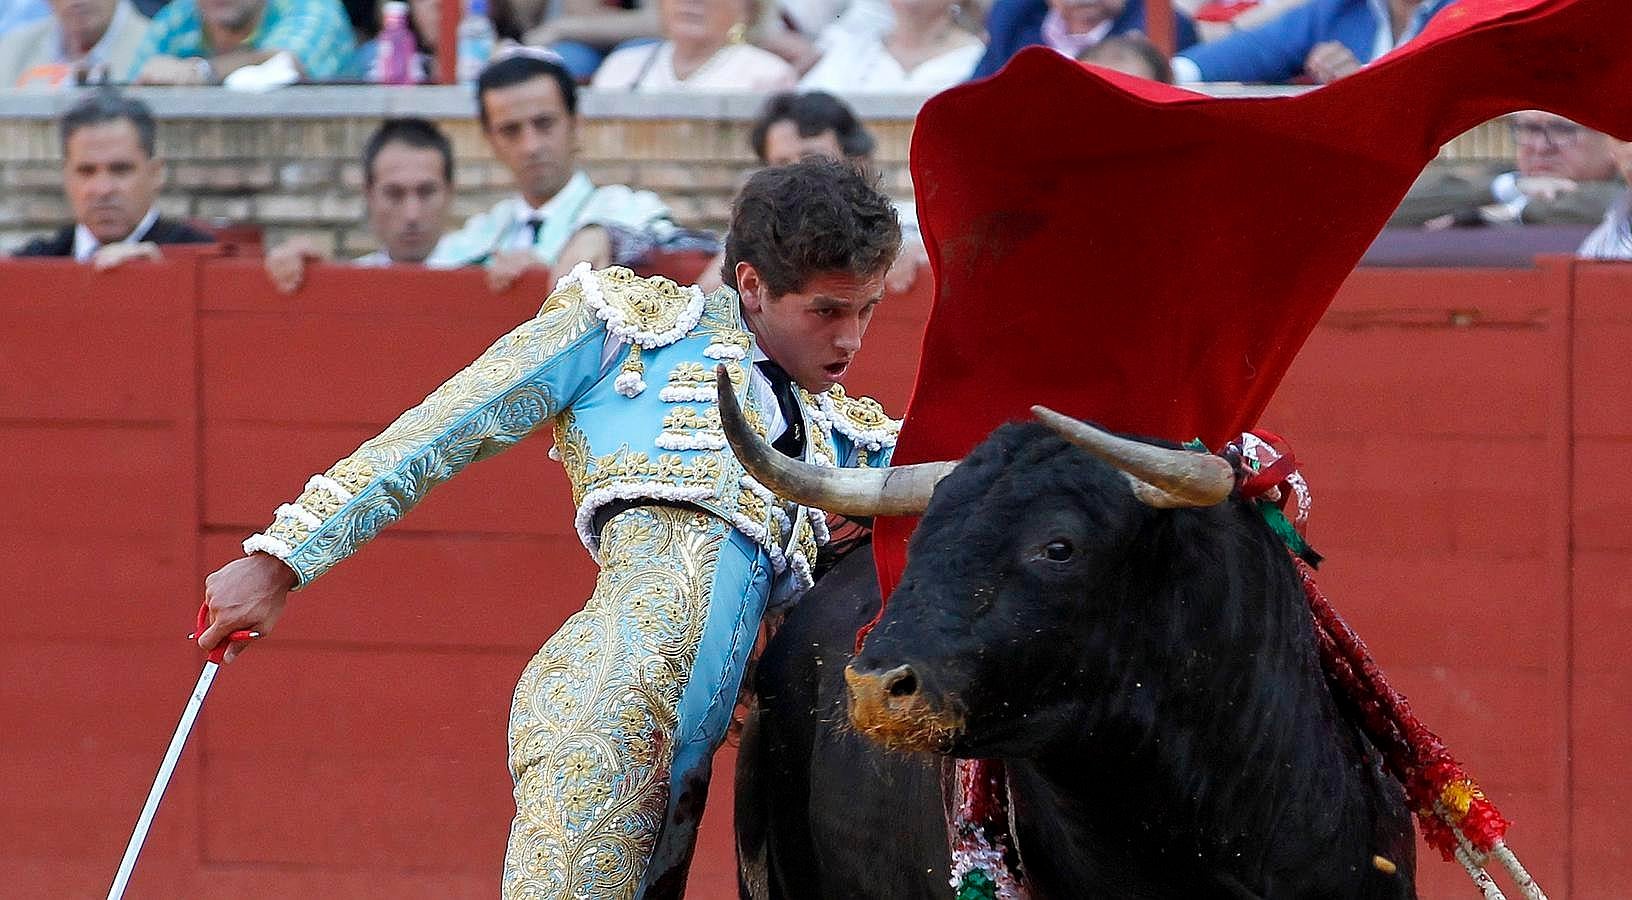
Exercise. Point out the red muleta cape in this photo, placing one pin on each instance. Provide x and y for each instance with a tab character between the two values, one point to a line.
1152	259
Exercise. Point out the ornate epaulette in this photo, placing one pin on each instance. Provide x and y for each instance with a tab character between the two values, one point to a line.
644	313
861	419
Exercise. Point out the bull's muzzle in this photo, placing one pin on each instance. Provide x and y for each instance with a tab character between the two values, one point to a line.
894	709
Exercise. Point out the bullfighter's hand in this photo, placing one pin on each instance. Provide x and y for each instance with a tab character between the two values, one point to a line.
246	594
1329	61
506	267
115	255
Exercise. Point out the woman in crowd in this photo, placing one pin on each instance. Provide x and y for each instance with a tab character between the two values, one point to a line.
926	50
704	49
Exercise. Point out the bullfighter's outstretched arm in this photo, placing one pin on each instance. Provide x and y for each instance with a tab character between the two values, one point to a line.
518	384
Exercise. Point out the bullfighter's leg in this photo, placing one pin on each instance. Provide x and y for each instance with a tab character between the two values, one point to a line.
597	720
742	583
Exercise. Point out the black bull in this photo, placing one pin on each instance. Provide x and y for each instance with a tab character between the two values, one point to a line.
1150	677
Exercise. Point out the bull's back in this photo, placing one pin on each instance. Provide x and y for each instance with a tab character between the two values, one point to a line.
821	812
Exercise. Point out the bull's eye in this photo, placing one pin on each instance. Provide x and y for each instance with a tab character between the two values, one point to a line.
1058	551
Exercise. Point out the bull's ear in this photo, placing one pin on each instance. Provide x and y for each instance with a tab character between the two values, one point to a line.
1162	477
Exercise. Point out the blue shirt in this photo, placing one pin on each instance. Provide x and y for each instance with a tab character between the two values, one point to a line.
1276	50
315	31
1016	24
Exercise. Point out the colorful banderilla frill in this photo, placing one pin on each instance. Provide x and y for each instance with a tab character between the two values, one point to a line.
1455	817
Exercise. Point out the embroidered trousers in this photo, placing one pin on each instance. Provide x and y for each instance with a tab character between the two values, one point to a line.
615	721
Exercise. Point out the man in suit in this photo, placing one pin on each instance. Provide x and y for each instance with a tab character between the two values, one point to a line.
112	178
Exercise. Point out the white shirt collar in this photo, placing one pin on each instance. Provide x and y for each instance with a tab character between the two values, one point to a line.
86	244
567	201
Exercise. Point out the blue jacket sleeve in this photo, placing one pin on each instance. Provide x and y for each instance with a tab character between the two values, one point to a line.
520	383
1012	24
1271	53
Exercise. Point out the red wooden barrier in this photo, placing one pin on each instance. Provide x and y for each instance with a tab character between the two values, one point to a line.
1460	429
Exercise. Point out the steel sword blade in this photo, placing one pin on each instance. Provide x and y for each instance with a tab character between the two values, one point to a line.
177	741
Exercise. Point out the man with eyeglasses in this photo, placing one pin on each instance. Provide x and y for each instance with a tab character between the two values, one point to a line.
1565	175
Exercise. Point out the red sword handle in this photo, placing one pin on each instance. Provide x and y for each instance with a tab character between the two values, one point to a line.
219	654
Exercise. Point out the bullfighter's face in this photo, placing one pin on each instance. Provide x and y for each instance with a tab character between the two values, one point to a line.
815	331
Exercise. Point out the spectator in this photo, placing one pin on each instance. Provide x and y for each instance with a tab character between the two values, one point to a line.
583	32
1565	176
1069	26
527	103
703	50
112	178
1130	54
15	14
802	30
83	42
925	51
1613	238
422	22
794	126
204	41
407	185
1323	40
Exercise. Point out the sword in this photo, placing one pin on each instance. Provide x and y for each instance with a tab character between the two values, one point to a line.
177	741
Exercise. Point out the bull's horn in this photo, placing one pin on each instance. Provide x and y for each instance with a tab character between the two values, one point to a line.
1161	476
892	491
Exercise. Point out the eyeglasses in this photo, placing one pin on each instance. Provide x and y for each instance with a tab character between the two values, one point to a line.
1540	134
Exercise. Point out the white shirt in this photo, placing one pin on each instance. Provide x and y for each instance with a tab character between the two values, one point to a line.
863	65
577	204
649	68
86	244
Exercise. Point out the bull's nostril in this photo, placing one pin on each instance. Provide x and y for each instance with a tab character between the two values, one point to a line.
902	682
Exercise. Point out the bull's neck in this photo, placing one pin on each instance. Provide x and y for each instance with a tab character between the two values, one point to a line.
1234	764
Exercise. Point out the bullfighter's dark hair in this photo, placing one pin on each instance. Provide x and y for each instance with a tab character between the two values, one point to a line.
813	217
813	113
411	131
108	105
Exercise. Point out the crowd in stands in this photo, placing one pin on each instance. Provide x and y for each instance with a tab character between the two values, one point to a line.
844	47
812	51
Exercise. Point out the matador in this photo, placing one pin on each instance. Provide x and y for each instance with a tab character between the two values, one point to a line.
614	722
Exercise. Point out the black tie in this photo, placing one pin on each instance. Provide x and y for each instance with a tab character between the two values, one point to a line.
792	441
536	223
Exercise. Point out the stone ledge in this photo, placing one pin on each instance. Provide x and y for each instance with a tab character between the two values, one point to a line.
450	102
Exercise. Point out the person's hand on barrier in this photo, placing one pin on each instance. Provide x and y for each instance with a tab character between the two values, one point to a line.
170	70
1545	187
506	267
591	244
246	594
1329	61
286	263
115	255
